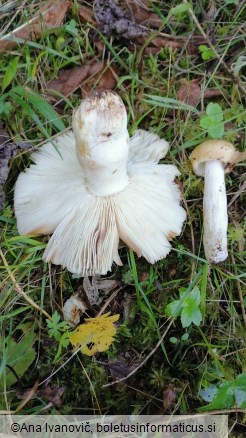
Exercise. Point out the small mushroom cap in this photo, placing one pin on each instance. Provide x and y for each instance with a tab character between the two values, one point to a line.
212	149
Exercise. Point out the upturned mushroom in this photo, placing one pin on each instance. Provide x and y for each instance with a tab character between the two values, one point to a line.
212	159
98	186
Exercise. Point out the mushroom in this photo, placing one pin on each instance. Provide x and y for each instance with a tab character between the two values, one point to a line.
72	310
212	159
98	186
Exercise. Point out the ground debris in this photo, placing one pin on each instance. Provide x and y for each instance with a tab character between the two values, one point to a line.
7	151
50	15
169	397
143	14
122	365
52	393
97	284
84	76
113	21
190	92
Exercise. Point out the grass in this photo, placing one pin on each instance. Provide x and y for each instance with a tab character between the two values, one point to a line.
159	347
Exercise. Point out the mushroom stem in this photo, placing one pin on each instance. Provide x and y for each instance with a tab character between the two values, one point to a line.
105	166
102	142
215	212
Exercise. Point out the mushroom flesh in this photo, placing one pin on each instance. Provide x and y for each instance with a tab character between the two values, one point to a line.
212	159
98	186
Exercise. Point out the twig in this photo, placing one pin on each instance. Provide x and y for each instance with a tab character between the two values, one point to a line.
24	402
109	301
20	290
145	359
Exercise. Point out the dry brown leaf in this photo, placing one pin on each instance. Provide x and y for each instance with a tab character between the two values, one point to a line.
105	80
212	10
69	80
142	14
190	92
86	14
169	397
50	15
52	394
92	288
122	365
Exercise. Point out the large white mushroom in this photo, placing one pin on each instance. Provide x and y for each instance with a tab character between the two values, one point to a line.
100	186
212	159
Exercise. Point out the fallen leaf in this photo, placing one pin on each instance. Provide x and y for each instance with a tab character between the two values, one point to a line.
69	80
169	397
122	366
52	394
190	92
86	14
50	15
95	335
7	151
212	11
93	287
105	79
143	14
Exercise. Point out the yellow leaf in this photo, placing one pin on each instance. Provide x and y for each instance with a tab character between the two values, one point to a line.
95	335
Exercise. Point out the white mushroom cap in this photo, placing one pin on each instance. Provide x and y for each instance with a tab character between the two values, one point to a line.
78	197
212	149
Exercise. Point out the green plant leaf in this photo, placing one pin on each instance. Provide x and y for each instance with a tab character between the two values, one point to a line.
194	295
44	108
190	313
229	395
206	52
168	102
10	73
187	306
57	327
174	309
208	394
180	9
173	340
213	120
5	107
214	110
19	354
185	337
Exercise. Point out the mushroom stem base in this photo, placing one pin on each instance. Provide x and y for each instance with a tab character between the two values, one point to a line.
215	212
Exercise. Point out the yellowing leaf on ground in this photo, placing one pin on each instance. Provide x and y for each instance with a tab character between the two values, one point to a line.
95	335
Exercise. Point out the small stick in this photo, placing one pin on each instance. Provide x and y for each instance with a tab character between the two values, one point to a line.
145	359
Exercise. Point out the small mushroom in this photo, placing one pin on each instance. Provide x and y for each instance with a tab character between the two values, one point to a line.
212	159
98	186
73	309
